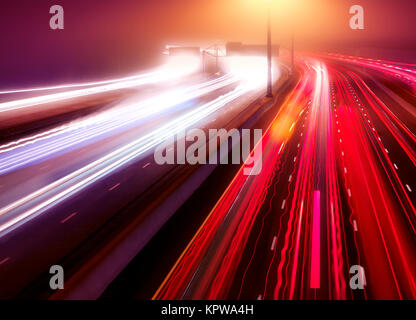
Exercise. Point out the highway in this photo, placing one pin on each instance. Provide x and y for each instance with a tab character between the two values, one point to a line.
336	186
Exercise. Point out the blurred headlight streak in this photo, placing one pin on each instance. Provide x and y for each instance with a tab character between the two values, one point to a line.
37	202
44	144
175	68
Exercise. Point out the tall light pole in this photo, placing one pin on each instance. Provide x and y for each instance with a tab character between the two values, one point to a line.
269	52
292	52
292	9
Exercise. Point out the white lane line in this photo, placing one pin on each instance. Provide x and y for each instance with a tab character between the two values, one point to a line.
273	243
408	188
345	170
294	159
283	204
281	147
355	225
395	166
349	192
113	187
387	151
290	178
69	217
146	165
4	260
260	297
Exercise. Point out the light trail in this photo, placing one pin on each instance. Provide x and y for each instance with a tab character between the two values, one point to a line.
174	69
398	71
36	203
343	202
188	279
386	246
31	149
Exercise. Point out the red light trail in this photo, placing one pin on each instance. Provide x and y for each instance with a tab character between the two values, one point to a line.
345	201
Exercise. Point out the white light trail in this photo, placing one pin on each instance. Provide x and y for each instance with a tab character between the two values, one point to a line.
175	68
37	202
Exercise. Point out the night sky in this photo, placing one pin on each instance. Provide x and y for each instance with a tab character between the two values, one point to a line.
105	38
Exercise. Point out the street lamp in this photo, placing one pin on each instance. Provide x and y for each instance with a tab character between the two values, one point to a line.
269	52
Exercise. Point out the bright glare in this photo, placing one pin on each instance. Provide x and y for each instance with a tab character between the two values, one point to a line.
251	70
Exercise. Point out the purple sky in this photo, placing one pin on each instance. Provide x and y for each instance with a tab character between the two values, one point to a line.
106	37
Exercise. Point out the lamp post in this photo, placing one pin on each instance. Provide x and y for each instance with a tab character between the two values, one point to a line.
292	52
269	52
